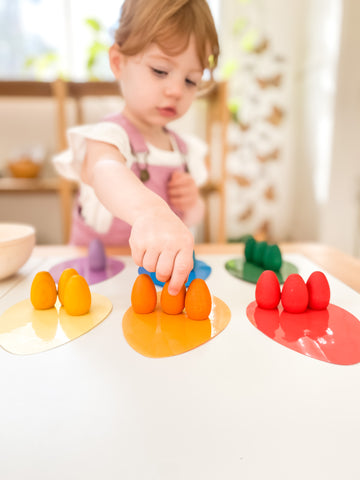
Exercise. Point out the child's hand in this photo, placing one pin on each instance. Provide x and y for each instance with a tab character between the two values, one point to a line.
160	242
183	191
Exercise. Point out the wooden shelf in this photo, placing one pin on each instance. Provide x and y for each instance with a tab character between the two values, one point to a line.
35	185
14	88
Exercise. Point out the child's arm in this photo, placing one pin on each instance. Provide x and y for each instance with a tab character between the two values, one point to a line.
184	195
159	240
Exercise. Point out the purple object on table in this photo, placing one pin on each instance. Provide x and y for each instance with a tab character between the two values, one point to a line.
95	267
97	256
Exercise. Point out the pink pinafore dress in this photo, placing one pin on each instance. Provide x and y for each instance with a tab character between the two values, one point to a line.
155	177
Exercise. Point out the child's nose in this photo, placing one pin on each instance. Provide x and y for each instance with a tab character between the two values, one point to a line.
174	88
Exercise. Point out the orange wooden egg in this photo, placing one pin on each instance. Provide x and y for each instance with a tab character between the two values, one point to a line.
143	294
172	304
64	277
198	300
77	296
43	291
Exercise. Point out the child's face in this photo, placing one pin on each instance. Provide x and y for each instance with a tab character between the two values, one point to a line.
159	88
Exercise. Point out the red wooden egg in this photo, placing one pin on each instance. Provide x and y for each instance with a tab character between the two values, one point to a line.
294	295
267	290
319	291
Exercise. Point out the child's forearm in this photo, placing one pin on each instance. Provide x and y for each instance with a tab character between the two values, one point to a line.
122	193
116	186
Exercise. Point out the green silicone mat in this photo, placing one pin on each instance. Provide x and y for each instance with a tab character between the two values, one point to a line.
240	268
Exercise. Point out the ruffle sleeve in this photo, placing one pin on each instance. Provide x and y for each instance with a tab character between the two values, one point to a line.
69	163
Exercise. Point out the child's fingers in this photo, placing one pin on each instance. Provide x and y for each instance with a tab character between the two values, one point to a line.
165	265
183	197
180	179
182	267
181	191
137	254
150	259
177	176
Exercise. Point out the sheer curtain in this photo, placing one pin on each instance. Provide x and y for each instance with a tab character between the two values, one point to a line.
316	87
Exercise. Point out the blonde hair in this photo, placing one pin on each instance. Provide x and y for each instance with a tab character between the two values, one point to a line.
169	24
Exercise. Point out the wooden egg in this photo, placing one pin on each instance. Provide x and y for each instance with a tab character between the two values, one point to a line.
294	295
319	291
64	277
77	296
43	292
267	290
172	304
143	294
198	300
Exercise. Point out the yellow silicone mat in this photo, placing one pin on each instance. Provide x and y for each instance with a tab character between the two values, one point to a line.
24	330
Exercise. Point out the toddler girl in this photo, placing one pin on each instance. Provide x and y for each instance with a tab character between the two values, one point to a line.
138	179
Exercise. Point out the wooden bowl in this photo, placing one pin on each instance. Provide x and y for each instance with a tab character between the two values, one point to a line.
24	168
17	241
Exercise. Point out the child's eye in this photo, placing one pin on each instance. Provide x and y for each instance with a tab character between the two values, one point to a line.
158	72
190	83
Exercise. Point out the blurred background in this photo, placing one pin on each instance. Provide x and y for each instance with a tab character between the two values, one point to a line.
293	99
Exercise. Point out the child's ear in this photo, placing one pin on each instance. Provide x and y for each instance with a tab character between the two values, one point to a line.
116	59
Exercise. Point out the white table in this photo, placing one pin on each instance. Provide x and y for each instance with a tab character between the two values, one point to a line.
239	407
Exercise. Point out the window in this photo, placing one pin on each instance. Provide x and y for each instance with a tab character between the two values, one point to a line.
42	39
